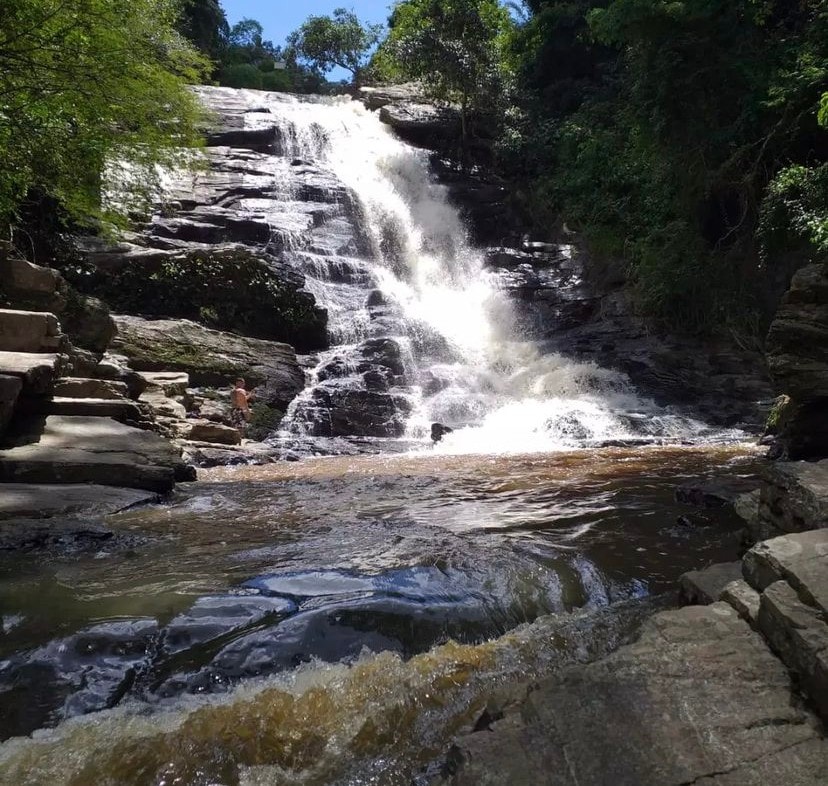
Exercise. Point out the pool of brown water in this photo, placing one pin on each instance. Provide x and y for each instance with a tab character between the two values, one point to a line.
334	620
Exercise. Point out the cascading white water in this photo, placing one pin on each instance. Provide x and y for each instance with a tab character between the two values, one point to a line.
392	235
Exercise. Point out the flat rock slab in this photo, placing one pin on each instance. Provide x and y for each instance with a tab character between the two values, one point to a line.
36	370
799	635
78	387
706	586
24	500
697	699
76	449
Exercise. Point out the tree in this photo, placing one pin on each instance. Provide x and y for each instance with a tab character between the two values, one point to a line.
325	42
204	24
455	48
86	85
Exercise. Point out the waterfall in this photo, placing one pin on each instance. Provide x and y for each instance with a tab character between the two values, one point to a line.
420	330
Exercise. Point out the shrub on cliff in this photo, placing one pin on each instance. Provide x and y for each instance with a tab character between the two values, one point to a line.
234	291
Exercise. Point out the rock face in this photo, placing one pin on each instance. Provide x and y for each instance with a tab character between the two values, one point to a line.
797	353
211	357
698	698
566	302
793	498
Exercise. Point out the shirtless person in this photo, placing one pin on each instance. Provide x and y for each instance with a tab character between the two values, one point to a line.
240	399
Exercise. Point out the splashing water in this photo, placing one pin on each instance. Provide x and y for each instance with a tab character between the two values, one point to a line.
390	258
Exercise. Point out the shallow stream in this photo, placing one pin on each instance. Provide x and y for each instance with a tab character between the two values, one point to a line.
335	620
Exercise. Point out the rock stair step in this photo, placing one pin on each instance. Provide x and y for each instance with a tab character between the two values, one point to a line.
78	449
37	371
800	558
29	331
118	409
798	633
83	388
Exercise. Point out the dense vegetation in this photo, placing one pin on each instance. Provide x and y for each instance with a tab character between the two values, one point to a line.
680	137
83	84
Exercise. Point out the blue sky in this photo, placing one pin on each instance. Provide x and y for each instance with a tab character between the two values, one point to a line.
280	17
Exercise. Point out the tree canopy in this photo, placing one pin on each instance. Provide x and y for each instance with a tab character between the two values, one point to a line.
86	83
339	40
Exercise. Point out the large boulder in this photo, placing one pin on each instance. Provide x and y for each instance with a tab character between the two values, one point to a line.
226	287
698	698
797	354
426	125
211	357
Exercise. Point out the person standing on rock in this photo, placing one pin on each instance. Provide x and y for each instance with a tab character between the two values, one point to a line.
240	399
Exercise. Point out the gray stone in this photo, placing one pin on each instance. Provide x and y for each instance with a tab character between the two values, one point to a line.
793	498
211	357
162	405
10	388
173	383
29	331
79	387
59	449
799	635
797	356
697	699
37	371
744	599
800	559
705	586
207	431
22	500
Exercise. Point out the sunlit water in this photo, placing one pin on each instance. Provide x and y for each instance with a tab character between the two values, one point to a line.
401	590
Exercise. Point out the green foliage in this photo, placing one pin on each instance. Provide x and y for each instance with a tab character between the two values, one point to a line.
669	133
325	42
795	208
87	83
456	48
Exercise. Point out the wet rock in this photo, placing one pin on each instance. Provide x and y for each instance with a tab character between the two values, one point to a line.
23	500
86	672
212	617
211	357
706	586
716	493
797	355
335	411
617	721
206	431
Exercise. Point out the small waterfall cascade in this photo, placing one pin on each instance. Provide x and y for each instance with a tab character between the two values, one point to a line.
420	329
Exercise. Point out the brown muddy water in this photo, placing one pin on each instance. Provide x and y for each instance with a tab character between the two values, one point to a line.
336	620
